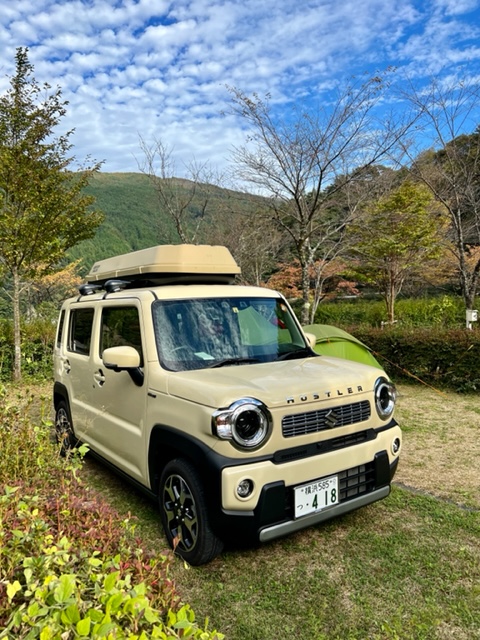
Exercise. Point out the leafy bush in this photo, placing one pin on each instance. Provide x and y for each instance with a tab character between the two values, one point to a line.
37	349
70	567
6	349
445	358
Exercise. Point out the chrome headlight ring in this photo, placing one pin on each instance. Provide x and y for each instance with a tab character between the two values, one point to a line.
385	397
247	423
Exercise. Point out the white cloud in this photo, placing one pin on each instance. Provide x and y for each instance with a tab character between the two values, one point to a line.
159	68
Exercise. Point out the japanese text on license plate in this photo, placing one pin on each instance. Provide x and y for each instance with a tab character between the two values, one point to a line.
316	496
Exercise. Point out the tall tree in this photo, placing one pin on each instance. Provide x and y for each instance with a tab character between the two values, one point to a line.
297	163
451	168
395	237
43	210
187	201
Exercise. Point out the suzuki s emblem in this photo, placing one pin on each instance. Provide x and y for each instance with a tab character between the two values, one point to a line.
331	419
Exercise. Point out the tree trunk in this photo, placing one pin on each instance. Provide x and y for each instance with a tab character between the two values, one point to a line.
390	300
305	315
17	338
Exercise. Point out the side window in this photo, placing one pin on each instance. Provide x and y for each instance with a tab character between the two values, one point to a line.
121	327
61	322
80	335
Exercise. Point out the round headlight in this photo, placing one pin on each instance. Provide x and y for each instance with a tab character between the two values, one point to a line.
385	396
249	425
247	422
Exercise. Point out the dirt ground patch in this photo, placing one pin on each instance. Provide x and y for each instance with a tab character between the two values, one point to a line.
441	443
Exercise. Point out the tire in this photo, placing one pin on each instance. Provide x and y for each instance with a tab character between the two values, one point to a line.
184	514
64	433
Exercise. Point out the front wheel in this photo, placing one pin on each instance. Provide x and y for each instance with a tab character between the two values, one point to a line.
184	514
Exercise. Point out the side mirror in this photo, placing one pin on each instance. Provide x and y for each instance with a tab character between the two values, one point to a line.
119	358
124	359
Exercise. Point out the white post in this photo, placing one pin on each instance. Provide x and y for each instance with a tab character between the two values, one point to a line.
471	316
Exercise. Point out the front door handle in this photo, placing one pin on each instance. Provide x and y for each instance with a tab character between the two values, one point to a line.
99	377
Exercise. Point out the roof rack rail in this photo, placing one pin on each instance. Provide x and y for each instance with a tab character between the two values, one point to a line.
111	286
89	288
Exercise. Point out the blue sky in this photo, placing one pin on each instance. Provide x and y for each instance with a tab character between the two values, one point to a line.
154	68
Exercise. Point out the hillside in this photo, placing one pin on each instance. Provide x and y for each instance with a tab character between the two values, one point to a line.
134	220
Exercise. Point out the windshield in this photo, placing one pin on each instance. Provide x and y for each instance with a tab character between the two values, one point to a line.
214	332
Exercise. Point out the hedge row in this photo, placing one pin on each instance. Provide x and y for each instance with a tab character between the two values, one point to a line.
447	358
443	358
446	311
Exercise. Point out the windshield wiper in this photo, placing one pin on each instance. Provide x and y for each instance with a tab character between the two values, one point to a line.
302	352
227	361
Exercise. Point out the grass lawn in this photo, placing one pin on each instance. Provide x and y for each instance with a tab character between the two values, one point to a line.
407	567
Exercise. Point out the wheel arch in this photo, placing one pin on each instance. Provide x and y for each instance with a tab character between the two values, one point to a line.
60	393
168	443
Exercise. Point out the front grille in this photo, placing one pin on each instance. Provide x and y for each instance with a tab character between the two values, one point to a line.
302	424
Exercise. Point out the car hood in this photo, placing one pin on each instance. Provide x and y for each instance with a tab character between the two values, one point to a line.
276	384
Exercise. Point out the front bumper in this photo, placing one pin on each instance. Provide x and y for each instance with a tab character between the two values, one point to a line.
285	528
272	513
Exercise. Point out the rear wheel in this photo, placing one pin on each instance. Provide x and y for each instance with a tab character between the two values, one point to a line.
63	429
184	514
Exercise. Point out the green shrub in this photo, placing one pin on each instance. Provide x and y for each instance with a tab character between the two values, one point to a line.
358	312
445	358
70	567
37	349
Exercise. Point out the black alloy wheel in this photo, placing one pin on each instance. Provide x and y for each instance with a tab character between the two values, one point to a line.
184	514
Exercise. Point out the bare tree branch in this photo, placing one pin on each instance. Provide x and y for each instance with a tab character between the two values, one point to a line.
186	201
302	163
451	169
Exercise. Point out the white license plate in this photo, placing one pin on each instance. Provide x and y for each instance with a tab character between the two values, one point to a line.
316	496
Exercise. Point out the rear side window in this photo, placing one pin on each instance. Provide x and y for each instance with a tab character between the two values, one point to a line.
61	323
121	327
80	336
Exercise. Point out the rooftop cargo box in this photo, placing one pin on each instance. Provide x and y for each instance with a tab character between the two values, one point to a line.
164	264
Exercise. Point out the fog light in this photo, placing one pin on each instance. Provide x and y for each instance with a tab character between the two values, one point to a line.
396	446
244	488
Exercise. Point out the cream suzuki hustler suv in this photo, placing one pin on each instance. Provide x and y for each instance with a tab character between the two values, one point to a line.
209	397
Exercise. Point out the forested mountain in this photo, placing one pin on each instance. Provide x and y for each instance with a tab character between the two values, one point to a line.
134	218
